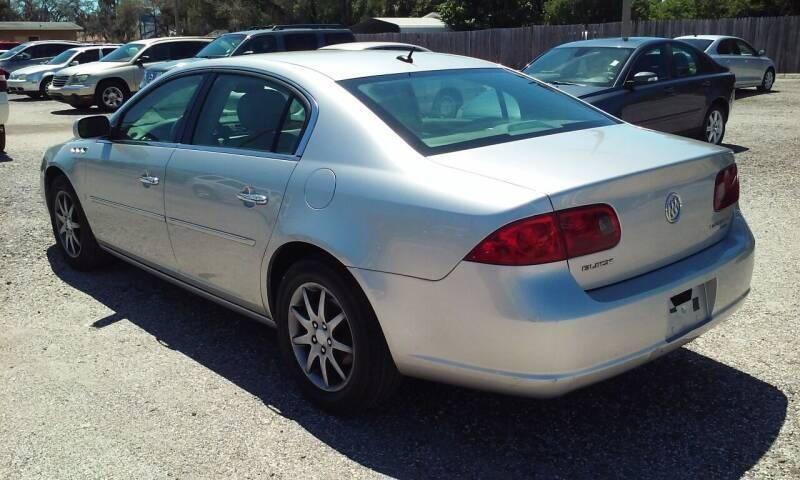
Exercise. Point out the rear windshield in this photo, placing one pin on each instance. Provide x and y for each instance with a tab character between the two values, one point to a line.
449	110
698	43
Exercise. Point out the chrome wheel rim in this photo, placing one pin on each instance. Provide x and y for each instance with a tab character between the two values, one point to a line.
112	97
769	79
715	127
321	337
67	226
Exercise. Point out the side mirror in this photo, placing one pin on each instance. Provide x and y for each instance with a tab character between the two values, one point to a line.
642	78
762	52
92	127
23	56
142	60
73	63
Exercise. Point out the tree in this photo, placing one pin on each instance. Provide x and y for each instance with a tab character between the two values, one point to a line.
477	14
567	12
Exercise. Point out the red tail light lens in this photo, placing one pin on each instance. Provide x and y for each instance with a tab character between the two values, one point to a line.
726	188
550	237
589	229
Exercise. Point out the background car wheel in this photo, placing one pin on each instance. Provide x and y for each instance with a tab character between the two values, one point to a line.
330	341
2	138
714	125
74	237
43	87
768	81
111	95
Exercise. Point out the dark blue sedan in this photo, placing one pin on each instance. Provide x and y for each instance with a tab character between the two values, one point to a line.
658	83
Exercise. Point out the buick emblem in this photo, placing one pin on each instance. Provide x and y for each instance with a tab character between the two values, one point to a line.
672	208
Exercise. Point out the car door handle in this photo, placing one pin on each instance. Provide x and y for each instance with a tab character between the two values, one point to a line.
248	196
147	180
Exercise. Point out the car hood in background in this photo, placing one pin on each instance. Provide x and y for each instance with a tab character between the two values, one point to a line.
164	66
33	69
92	68
581	91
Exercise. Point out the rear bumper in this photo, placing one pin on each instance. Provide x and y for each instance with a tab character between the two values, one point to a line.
533	331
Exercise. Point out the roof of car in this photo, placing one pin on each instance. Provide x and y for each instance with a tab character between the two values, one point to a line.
619	42
148	41
704	37
345	64
369	45
291	29
89	47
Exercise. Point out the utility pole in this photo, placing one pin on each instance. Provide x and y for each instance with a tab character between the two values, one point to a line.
177	18
626	18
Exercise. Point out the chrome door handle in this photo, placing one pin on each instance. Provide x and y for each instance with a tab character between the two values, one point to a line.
147	180
248	196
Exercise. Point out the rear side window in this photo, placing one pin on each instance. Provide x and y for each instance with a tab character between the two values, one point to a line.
181	50
728	47
157	53
685	61
158	116
88	56
449	110
337	37
251	113
300	41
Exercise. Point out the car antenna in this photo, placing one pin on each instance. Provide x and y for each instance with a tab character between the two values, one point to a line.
407	58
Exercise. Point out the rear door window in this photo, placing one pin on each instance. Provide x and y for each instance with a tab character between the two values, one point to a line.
728	47
251	113
157	53
300	41
180	50
745	49
88	56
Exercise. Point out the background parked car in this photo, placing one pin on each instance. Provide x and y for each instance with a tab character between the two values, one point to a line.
752	67
278	38
32	53
34	80
109	82
406	47
657	83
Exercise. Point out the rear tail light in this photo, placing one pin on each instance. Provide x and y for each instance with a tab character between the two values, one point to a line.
551	237
726	188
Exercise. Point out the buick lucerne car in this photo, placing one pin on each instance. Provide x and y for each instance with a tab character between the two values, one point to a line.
529	244
657	83
752	68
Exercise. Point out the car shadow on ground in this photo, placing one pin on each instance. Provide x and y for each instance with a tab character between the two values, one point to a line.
77	111
683	416
735	148
742	93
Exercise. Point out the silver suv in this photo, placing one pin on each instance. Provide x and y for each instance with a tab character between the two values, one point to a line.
111	81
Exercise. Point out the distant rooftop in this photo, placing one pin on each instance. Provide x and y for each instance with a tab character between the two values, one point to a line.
41	26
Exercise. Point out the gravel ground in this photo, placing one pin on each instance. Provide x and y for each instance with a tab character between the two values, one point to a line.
117	374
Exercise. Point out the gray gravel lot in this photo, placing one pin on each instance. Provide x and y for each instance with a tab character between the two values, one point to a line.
117	374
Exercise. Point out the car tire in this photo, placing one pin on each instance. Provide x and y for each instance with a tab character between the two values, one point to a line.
2	138
111	94
714	125
33	95
768	81
72	232
43	87
370	375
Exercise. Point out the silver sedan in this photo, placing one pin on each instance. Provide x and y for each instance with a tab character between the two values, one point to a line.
512	238
752	67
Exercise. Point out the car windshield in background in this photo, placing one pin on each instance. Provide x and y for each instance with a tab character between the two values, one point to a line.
124	53
449	110
62	57
13	51
698	43
595	66
221	47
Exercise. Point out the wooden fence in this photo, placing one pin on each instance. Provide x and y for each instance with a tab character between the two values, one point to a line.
515	47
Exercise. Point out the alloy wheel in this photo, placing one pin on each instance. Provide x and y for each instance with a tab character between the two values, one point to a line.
321	337
715	127
112	97
769	79
68	228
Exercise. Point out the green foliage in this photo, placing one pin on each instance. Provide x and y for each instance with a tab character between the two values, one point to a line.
471	14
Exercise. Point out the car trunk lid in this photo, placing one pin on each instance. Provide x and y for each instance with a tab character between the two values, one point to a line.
633	170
